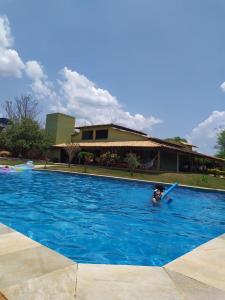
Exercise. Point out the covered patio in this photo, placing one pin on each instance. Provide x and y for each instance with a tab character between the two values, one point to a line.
153	156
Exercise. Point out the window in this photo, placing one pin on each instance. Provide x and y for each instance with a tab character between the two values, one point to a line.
101	134
87	135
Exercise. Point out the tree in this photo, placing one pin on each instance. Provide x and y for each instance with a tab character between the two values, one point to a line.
86	157
24	138
3	140
221	144
176	139
44	145
133	162
23	107
71	149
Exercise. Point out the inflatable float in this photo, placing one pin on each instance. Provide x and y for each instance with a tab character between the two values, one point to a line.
18	168
167	191
24	167
7	169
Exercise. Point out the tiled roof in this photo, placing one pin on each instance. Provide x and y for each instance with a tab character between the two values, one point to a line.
141	144
146	144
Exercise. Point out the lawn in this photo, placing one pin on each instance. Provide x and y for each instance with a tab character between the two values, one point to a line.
11	162
193	179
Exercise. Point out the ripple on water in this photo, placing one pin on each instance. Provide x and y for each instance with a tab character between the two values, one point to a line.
102	220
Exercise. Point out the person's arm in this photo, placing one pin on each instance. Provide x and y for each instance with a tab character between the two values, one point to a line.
154	200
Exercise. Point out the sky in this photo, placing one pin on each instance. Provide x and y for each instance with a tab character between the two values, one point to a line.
156	66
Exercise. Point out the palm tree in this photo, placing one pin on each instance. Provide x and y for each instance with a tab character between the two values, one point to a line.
86	157
133	162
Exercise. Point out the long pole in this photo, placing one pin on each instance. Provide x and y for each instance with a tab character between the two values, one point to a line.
158	160
178	162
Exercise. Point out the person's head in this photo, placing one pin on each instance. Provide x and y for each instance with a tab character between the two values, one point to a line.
159	187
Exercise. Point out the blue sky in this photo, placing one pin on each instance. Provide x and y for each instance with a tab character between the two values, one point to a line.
155	65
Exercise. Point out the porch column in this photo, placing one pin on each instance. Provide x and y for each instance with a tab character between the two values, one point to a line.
178	162
192	164
158	160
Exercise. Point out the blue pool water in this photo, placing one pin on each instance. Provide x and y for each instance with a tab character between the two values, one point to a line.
99	220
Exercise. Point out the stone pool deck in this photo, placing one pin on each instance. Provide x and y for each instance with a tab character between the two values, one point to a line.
30	271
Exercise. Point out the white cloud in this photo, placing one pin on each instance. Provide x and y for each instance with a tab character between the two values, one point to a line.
10	62
40	84
74	94
34	70
81	87
222	87
6	39
41	89
91	104
205	133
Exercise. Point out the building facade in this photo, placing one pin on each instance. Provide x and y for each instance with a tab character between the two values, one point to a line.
154	154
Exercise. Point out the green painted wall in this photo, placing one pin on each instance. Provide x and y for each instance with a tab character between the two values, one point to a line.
60	127
114	134
120	135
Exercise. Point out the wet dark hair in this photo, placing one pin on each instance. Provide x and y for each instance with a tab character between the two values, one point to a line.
159	187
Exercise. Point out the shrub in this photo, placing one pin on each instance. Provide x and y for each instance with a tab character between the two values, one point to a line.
108	158
133	162
216	172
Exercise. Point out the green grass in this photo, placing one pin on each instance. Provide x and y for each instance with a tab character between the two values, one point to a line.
11	162
198	180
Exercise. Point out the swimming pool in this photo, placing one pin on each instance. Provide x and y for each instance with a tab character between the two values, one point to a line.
108	221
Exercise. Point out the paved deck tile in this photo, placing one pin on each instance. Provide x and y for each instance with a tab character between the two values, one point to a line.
214	244
4	229
29	270
222	237
57	285
192	289
14	241
110	282
205	264
21	266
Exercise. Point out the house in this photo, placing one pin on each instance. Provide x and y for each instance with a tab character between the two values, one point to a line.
155	154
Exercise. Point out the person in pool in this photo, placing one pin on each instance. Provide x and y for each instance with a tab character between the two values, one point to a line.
158	192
